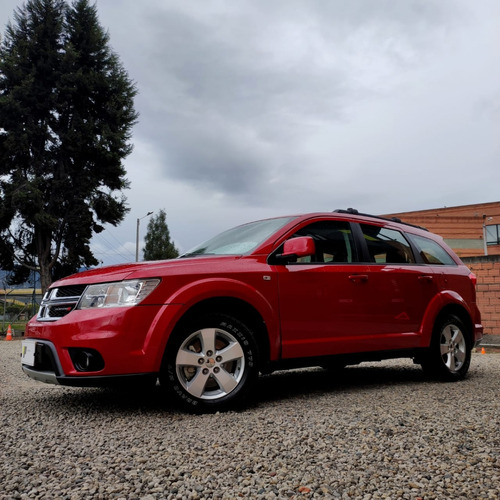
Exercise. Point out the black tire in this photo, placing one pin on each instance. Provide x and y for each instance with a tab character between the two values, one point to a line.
334	367
211	363
448	357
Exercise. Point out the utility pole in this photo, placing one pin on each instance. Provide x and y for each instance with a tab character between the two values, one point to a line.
137	235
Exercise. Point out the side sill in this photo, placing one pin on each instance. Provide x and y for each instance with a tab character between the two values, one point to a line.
346	359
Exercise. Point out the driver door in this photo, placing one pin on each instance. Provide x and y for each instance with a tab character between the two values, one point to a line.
319	302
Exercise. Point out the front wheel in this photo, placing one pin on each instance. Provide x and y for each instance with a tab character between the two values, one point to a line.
211	364
448	357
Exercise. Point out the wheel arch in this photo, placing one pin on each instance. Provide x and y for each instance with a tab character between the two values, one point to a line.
237	308
464	316
444	304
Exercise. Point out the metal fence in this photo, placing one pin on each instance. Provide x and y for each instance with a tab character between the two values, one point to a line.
17	306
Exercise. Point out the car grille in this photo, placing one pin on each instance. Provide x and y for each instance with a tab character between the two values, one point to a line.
58	302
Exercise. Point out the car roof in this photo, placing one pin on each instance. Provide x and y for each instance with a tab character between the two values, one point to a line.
341	214
353	214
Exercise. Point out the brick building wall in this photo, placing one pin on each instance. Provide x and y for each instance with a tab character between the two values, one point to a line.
461	227
487	270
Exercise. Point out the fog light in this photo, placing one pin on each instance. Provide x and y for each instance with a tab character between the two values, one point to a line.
86	360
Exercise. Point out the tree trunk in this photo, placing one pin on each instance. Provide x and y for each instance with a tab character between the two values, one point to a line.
44	240
45	277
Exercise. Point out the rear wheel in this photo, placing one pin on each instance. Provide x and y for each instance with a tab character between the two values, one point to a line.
448	357
211	363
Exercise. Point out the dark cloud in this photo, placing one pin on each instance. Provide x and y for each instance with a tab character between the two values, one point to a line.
242	89
256	108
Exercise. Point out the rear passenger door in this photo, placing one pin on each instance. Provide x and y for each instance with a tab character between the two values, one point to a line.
398	289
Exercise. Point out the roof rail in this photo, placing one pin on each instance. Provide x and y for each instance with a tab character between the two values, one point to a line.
353	211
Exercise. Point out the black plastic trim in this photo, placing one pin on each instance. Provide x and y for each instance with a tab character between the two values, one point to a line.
105	380
49	377
348	359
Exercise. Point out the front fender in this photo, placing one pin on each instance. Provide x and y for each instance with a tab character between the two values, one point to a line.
187	296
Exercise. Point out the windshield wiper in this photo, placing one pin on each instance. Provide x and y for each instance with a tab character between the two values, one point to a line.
195	254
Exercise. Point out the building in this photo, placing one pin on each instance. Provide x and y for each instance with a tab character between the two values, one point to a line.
473	231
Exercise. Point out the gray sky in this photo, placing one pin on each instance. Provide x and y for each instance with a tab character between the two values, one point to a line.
253	108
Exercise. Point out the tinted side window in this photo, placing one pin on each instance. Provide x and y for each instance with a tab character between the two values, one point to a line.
431	252
386	246
333	240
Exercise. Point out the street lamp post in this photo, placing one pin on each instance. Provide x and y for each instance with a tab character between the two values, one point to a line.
137	235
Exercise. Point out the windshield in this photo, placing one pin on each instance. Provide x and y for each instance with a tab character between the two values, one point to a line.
239	240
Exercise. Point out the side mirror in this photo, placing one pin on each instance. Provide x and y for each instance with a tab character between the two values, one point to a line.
302	246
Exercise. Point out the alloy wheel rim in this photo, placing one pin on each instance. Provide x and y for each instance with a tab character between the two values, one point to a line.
453	348
210	364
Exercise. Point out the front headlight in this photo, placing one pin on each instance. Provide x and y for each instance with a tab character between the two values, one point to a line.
119	294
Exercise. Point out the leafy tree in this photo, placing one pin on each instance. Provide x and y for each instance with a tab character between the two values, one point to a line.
66	114
157	240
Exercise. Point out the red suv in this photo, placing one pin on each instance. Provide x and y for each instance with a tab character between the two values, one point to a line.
324	289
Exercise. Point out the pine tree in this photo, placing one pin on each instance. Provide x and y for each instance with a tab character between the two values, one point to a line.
66	114
157	240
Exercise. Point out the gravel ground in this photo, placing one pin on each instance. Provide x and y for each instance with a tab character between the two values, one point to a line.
382	431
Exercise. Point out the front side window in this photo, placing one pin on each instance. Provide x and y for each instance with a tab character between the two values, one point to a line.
333	241
431	252
386	246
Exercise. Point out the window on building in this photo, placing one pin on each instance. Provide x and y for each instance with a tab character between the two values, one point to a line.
493	234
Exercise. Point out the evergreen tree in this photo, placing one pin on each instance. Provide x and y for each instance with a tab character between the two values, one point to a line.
66	114
157	240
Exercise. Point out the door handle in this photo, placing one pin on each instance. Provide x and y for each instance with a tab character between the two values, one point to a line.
358	278
426	278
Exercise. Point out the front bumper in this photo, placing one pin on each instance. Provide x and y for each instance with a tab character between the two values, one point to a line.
99	381
47	368
125	341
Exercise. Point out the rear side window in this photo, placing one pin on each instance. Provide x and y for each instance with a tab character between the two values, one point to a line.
431	252
386	246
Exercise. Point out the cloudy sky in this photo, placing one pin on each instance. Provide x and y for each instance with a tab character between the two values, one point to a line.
256	108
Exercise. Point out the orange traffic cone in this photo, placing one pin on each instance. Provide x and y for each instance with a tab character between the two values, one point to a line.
483	350
9	333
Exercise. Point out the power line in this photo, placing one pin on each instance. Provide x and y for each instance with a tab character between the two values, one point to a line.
112	252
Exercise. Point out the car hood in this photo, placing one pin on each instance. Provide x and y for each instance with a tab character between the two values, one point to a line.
150	269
